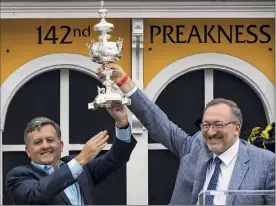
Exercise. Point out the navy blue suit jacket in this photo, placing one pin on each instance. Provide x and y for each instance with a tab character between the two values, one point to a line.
28	185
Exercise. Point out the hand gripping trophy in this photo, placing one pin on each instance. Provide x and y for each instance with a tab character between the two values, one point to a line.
104	52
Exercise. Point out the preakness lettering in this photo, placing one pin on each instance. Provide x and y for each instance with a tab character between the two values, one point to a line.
210	34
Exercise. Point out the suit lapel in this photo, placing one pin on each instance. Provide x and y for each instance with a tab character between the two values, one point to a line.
43	174
200	172
240	169
65	198
85	190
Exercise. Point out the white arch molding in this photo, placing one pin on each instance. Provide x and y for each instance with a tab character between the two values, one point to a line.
238	67
79	63
38	66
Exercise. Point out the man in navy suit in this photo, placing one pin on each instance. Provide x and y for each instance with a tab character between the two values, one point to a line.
214	158
50	179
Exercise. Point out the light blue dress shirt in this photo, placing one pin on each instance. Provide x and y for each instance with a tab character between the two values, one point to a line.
73	191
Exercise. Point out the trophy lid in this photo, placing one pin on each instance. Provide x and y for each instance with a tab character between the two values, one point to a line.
103	26
105	51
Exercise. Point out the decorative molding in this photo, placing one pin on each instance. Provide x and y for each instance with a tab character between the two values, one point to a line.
79	147
137	65
137	188
208	85
236	66
64	109
37	66
156	146
130	9
71	147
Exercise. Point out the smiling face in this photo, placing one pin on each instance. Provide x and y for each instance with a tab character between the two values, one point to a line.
44	146
225	136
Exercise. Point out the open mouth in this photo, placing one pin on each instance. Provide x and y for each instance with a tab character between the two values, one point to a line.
46	153
215	138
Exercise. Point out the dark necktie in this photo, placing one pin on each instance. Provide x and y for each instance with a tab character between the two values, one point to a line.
213	182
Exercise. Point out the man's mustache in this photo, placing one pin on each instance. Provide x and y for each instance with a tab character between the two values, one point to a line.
216	136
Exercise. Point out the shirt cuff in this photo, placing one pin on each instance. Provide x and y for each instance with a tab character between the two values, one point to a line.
75	168
123	134
131	91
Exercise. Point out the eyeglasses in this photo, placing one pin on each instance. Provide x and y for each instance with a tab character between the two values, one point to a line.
217	127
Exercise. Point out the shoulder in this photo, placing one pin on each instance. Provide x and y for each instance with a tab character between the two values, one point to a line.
259	154
19	171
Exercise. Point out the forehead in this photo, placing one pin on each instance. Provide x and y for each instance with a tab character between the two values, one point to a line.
219	112
44	132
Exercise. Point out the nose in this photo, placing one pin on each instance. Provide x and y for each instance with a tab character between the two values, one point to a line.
211	132
45	145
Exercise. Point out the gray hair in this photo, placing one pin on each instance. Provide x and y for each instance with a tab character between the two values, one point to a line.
236	112
36	124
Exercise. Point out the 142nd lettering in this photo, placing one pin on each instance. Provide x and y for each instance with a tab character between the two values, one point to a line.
68	34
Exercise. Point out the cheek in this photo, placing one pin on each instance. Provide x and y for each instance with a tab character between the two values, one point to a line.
57	147
33	152
227	138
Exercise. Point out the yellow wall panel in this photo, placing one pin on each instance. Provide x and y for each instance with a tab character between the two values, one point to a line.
167	40
22	40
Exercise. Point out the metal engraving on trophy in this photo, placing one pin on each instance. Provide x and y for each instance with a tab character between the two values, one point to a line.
105	52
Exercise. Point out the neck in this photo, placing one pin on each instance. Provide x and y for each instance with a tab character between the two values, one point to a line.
55	164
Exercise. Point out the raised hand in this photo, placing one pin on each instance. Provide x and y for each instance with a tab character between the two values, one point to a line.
118	72
92	148
119	77
119	114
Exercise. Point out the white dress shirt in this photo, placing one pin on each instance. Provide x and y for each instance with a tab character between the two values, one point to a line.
228	159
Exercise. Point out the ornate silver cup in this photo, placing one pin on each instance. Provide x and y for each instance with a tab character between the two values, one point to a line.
103	52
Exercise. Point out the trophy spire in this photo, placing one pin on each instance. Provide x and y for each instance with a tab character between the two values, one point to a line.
102	52
103	27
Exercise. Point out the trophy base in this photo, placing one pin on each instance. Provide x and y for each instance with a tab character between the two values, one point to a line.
107	103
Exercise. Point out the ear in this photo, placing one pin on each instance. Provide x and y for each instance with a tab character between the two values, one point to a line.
28	151
61	145
238	128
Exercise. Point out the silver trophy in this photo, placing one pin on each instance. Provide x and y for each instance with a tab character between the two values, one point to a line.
103	52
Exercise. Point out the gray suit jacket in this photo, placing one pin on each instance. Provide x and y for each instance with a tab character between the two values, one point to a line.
254	168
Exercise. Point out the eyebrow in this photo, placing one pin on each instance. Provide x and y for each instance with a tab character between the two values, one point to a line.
40	138
213	122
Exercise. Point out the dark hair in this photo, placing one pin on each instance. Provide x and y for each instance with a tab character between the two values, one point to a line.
236	112
36	124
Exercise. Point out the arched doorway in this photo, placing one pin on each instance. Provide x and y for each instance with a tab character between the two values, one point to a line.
187	85
58	86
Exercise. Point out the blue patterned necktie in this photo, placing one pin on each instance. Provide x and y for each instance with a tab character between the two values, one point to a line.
213	182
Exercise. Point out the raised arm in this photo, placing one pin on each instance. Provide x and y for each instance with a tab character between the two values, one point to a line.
152	117
119	154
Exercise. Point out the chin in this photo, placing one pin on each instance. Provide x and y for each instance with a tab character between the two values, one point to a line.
215	149
47	161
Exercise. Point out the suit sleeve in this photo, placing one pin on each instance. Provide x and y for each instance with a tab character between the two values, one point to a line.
159	126
101	167
23	188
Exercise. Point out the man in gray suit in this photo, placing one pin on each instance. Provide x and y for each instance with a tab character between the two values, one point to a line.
215	158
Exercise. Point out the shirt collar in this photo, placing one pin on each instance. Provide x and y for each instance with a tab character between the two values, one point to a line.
47	168
227	156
